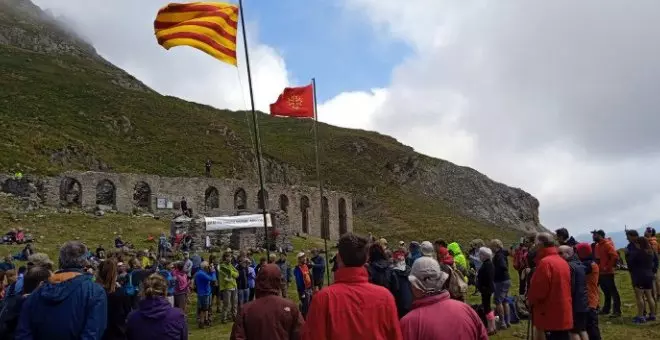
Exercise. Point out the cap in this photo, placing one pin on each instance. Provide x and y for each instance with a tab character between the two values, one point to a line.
398	255
301	254
427	248
382	241
426	275
600	232
401	243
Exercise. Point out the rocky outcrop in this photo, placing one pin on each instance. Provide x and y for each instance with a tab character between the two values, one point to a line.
470	192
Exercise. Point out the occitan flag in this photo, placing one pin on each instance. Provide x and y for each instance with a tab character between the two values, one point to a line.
208	26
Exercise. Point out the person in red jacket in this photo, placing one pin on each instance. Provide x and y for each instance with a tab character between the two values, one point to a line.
549	293
606	257
352	308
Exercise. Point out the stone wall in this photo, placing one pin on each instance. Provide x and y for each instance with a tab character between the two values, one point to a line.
117	191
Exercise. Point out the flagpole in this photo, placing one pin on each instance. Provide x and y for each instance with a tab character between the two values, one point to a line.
324	233
255	126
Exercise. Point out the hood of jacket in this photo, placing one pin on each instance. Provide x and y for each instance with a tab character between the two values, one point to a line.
268	281
60	285
455	248
379	265
402	273
154	308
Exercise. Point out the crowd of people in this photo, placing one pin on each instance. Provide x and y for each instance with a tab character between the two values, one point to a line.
413	291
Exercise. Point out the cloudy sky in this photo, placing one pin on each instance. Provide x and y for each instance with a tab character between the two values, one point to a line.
556	97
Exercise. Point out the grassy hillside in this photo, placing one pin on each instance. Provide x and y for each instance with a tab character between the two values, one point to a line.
64	112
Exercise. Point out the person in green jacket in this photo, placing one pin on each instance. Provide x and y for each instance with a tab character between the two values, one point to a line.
228	288
459	258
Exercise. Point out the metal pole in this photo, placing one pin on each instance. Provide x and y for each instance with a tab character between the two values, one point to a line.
255	126
324	233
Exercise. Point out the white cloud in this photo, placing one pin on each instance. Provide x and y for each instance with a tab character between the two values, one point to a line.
552	96
122	32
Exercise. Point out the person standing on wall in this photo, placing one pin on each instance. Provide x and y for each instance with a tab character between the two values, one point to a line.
208	167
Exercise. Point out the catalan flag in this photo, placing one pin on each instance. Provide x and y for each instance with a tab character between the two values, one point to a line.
208	26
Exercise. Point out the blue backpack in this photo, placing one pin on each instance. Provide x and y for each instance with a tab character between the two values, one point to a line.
129	288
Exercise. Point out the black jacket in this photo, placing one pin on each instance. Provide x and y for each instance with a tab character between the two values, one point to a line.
578	286
486	278
119	306
379	273
401	290
501	263
9	315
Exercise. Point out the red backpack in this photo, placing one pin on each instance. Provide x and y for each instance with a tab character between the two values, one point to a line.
520	259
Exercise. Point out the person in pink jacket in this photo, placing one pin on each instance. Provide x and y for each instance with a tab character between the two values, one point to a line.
434	315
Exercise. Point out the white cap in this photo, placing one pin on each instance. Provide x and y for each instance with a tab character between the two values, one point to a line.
427	248
426	275
301	254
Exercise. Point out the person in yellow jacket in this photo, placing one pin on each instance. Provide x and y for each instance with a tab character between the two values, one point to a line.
459	258
227	275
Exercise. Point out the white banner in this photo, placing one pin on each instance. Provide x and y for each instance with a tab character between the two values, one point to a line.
236	222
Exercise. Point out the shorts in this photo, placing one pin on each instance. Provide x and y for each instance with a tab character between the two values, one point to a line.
580	322
204	303
644	283
501	291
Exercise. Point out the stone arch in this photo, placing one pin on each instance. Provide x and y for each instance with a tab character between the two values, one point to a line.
142	195
70	192
211	198
304	212
343	223
325	218
259	203
106	193
284	203
240	199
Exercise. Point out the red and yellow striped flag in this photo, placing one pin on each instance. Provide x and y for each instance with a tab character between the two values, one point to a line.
208	26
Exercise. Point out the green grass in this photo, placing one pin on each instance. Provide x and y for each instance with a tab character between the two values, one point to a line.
52	229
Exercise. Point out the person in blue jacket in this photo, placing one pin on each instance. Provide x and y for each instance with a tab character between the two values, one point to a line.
318	269
69	306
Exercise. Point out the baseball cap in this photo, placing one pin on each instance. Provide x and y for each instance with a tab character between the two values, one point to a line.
301	254
401	243
427	248
600	232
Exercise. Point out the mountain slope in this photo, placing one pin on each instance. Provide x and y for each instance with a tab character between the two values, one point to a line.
64	107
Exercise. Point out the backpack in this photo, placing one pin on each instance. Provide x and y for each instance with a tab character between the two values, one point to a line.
129	288
520	259
458	288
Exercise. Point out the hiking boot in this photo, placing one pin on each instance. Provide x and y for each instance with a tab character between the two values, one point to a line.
651	317
638	320
615	315
603	312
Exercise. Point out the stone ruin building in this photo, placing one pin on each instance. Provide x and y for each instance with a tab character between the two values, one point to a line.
294	209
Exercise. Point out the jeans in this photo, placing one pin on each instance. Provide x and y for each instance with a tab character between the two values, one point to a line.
592	325
243	296
229	304
607	285
305	300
